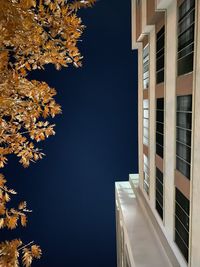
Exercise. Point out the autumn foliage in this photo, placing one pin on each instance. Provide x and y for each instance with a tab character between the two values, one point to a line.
10	218
33	33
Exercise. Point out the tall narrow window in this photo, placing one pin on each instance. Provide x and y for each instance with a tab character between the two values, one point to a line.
160	55
146	174
146	67
145	122
159	192
182	211
186	18
183	134
160	126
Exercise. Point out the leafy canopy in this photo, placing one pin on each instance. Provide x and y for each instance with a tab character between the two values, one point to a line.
33	33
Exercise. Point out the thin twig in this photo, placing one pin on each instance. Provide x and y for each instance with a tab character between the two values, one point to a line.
30	243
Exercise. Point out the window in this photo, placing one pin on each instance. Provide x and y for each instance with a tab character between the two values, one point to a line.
183	134
146	173
146	121
146	67
160	126
160	57
186	15
159	192
182	211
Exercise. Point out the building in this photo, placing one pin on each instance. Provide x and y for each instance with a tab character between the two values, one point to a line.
158	210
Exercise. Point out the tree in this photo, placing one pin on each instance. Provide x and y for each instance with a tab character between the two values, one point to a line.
10	251
33	33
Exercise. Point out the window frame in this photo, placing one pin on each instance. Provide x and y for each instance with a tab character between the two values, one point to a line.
160	46
185	37
160	120
183	150
146	62
182	241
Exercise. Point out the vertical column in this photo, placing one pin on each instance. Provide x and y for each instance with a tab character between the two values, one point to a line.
152	82
170	119
140	115
195	188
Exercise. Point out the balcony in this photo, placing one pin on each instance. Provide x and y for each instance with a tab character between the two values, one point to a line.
140	242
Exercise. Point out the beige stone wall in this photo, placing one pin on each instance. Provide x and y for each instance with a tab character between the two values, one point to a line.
195	182
167	225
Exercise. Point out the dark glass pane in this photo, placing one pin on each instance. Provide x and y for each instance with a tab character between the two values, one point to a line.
159	209
182	201
182	231
182	216
159	198
159	139
183	136
160	103
160	116
159	150
159	127
183	151
160	43
160	63
184	103
159	175
181	246
160	76
183	167
161	32
186	22
184	120
186	38
160	52
185	64
186	50
159	186
185	8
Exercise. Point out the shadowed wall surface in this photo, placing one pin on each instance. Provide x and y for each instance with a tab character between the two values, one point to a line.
71	191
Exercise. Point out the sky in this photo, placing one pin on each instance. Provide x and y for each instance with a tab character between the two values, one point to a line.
71	191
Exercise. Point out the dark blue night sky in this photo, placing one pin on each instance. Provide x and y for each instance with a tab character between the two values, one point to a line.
71	191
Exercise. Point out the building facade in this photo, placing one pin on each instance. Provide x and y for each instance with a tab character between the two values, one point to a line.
163	200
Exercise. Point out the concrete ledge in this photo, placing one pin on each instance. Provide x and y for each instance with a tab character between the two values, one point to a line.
156	227
144	246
